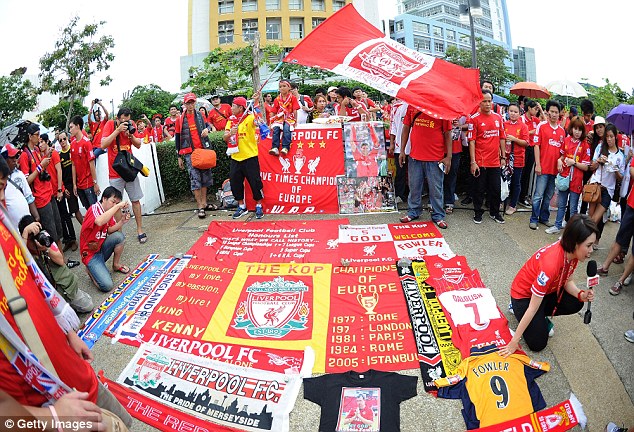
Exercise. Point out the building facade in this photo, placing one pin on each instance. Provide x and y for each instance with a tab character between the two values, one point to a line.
230	24
524	61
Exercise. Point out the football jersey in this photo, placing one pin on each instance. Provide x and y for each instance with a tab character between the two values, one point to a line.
452	268
469	306
81	153
494	332
518	130
531	123
426	135
494	389
487	130
550	141
580	152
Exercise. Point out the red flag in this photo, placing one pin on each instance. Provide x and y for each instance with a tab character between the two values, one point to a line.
350	46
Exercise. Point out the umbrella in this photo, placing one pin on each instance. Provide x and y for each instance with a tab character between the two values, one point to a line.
530	90
567	88
16	133
500	100
622	117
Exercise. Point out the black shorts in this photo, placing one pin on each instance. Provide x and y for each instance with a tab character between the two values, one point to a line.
626	229
606	198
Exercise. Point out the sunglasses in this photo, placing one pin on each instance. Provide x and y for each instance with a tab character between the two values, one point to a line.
63	139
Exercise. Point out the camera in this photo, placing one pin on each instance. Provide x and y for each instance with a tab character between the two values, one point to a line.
45	176
131	128
43	238
96	101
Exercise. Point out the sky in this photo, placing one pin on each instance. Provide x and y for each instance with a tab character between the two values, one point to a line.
150	37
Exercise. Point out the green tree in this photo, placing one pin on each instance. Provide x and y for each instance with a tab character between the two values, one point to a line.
490	60
303	73
148	99
229	70
16	96
55	117
78	54
606	97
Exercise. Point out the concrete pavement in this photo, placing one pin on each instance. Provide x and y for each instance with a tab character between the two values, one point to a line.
594	362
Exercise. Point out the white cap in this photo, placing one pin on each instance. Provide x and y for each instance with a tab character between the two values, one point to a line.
599	120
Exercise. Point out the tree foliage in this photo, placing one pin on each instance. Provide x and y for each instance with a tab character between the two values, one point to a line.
228	70
301	73
55	117
490	60
148	99
78	54
606	97
16	96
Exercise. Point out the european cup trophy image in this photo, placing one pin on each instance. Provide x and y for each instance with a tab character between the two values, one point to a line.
298	161
368	302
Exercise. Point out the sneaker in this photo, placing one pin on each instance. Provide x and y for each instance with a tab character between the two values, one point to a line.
628	280
532	225
551	327
616	288
259	213
449	209
240	211
612	427
274	151
499	219
527	203
82	303
553	230
408	218
511	307
477	219
629	336
284	151
547	223
602	272
72	263
510	210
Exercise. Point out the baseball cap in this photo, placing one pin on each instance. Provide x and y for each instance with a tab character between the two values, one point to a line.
332	88
32	128
599	120
214	96
9	151
240	101
189	97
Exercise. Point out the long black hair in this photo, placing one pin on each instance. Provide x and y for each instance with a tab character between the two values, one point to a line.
604	144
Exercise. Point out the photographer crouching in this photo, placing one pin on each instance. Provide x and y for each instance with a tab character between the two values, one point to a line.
51	262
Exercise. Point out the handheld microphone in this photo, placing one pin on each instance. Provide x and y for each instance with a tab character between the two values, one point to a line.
591	281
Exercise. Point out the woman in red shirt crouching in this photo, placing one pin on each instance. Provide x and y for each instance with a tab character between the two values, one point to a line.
543	286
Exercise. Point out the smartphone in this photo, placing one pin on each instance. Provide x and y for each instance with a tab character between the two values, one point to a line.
441	166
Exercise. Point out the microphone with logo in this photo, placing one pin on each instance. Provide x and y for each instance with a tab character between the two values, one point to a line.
591	281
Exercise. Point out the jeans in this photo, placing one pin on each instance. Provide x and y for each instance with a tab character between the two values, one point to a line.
400	181
87	197
544	191
97	264
98	151
419	171
562	202
449	184
286	137
516	186
489	180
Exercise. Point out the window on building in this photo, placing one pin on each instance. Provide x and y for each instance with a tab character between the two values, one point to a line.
317	21
296	4
225	6
399	25
451	35
318	5
439	46
422	44
437	31
249	28
432	11
338	4
225	32
465	39
420	27
297	28
273	29
273	4
401	40
249	5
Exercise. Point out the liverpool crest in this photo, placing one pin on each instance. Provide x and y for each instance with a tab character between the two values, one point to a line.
273	309
386	62
147	374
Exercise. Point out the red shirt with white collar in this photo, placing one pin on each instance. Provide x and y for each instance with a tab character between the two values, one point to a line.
487	130
551	146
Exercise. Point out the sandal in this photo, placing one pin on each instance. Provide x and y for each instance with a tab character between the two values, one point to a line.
122	269
619	259
201	213
449	210
442	224
142	238
211	207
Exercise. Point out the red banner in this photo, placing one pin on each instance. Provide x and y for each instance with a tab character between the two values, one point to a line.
305	180
437	87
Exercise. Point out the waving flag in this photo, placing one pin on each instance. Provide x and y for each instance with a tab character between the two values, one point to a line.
350	46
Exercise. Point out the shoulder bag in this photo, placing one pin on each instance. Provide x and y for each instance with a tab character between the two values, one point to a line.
124	164
592	192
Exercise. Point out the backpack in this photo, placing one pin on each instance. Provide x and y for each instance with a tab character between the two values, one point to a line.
225	196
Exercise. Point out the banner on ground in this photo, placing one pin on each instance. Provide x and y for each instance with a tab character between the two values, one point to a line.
437	87
361	195
304	180
234	396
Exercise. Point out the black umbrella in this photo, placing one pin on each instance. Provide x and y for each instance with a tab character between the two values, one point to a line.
16	133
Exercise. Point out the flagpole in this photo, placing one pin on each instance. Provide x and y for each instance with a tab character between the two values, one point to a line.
270	76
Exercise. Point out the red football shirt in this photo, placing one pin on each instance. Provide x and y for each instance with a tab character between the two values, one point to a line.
531	123
426	135
53	172
218	116
170	125
92	233
81	154
42	190
96	130
582	155
550	141
350	112
544	273
622	141
124	143
191	122
487	130
589	125
518	130
71	369
157	133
